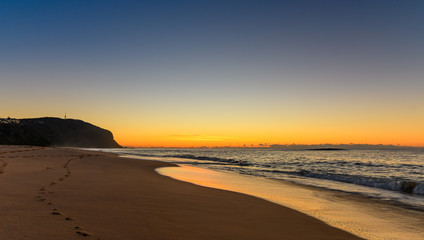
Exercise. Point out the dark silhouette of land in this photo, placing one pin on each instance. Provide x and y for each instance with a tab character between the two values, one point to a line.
327	149
54	132
341	147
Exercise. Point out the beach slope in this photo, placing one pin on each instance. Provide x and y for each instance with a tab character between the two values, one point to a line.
58	193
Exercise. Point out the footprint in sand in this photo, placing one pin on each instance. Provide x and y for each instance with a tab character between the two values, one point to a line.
55	213
3	165
83	233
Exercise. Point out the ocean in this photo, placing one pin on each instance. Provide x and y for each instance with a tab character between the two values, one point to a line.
389	177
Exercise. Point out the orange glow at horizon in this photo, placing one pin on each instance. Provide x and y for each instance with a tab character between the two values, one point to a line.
240	128
263	141
313	128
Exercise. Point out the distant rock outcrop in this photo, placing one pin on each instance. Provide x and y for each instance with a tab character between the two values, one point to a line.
55	132
327	149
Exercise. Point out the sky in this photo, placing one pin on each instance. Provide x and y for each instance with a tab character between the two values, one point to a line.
219	72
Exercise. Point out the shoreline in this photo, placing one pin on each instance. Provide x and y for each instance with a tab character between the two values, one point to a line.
370	218
363	217
71	193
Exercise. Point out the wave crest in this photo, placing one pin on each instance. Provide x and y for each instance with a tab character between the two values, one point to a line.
388	184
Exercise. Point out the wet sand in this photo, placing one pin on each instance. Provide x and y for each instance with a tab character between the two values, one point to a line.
57	193
368	218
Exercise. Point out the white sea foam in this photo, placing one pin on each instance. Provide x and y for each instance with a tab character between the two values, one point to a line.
419	189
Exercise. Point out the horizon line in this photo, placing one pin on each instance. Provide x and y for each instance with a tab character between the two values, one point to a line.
287	146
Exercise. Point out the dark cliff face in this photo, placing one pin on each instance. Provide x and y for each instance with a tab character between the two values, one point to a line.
56	132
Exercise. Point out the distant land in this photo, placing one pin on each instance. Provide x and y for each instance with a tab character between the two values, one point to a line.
338	147
58	132
327	149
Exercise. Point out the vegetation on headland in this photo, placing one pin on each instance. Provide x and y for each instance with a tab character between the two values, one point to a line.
54	132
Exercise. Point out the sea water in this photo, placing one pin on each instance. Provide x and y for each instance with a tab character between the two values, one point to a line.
380	191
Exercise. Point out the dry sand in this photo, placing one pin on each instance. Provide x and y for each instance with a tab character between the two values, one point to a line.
57	193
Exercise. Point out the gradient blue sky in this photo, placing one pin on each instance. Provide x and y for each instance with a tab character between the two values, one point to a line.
233	72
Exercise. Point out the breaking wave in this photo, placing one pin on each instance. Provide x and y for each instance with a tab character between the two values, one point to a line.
388	184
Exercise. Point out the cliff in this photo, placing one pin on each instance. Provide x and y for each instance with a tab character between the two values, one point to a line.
55	132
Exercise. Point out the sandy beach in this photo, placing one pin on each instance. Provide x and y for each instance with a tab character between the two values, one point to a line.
58	193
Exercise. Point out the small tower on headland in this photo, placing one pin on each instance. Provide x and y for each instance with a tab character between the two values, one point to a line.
65	115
